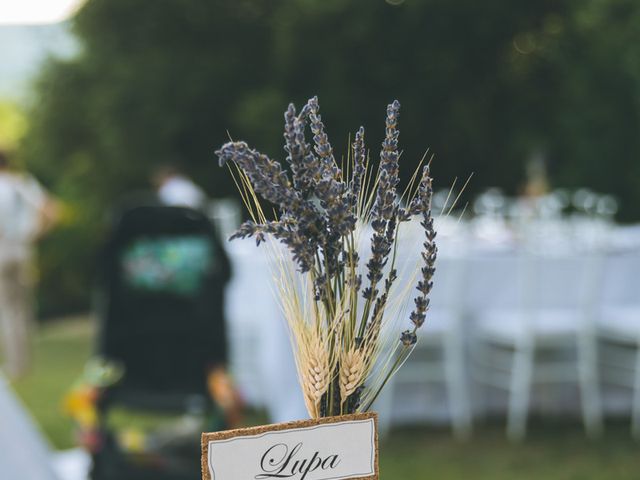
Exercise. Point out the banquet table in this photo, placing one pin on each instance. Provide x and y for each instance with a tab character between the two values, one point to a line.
474	275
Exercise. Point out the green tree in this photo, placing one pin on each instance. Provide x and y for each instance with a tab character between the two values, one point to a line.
593	127
483	84
155	82
13	125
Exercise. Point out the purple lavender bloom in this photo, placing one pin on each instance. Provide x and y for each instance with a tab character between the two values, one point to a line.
421	204
386	204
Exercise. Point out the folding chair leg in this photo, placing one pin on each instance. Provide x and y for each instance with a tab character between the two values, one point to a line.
457	390
384	407
589	389
635	416
480	351
519	393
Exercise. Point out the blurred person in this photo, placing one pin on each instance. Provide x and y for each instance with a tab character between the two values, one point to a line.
537	179
175	188
26	212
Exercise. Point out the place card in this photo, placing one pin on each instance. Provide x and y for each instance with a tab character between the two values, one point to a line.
330	448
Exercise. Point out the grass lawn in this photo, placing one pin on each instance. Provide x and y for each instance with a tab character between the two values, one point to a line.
553	451
61	350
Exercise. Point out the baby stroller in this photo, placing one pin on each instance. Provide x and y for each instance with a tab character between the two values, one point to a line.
162	327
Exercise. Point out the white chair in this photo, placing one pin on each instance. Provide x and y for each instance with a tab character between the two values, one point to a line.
226	213
619	332
439	356
549	306
261	359
245	318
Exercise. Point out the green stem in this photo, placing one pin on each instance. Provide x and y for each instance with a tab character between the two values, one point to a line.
367	307
353	314
401	357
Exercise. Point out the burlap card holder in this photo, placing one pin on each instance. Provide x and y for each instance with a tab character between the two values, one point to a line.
331	448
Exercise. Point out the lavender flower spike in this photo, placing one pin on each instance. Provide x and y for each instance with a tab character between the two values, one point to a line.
422	204
385	208
296	149
266	175
330	189
359	155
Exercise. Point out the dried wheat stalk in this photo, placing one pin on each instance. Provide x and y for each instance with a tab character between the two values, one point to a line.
352	372
315	370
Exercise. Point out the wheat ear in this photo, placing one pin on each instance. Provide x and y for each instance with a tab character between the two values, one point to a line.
352	371
316	374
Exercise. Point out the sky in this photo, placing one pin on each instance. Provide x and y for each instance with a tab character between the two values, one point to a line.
34	12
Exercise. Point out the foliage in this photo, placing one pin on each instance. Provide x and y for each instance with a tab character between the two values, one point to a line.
146	89
60	353
485	84
13	125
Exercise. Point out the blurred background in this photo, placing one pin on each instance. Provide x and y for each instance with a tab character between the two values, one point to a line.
536	310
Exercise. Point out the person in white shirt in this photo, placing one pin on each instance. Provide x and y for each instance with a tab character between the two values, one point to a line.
26	211
176	189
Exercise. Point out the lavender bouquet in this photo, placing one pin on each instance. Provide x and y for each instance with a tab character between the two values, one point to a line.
339	298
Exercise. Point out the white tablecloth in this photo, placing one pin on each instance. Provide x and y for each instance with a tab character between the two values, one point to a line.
24	452
261	356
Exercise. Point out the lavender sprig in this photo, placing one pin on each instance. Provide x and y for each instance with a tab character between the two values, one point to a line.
422	204
333	194
359	166
330	189
270	181
295	150
266	175
385	208
304	164
301	248
322	146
